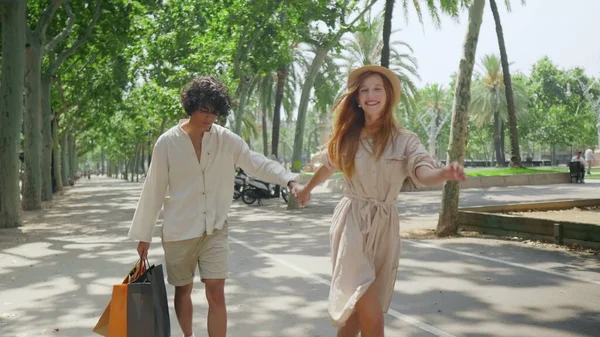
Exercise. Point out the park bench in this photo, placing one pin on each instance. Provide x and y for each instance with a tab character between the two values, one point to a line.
576	172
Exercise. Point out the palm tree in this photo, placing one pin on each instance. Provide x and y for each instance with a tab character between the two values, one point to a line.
286	85
249	126
328	87
265	101
512	116
365	46
450	7
489	101
281	76
387	32
448	220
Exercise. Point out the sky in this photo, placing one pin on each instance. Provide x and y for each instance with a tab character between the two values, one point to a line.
564	30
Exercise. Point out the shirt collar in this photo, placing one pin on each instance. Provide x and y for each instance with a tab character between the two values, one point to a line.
211	131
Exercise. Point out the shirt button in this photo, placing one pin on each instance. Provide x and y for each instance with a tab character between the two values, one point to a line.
204	213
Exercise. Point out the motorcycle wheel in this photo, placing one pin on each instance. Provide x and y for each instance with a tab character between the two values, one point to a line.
236	194
249	196
284	195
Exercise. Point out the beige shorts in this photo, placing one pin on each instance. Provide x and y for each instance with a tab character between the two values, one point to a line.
209	252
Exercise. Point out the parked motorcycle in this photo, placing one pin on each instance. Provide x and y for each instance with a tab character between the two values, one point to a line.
240	182
256	190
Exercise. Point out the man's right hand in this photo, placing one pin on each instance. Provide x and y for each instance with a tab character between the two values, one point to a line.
142	250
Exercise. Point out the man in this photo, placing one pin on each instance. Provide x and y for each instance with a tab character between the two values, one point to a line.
578	157
589	159
195	162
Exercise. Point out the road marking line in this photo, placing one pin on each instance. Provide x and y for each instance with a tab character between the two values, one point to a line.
406	318
513	264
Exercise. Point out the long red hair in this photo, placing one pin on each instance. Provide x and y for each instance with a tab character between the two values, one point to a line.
350	121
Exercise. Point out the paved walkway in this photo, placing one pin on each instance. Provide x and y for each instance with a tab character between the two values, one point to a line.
56	272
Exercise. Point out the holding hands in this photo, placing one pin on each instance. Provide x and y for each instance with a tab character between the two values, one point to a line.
301	193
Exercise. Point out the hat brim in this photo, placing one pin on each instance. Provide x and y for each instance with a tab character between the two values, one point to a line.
390	75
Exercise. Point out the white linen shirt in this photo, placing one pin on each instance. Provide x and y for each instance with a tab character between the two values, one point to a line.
589	155
199	192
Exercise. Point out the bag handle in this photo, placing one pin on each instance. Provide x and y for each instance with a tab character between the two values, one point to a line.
140	268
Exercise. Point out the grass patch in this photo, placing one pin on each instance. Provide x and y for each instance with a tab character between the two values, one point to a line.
511	171
308	175
491	172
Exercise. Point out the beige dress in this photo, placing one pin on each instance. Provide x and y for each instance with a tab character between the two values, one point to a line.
365	229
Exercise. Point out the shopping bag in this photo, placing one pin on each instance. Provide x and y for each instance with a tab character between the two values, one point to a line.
131	311
155	276
138	306
101	327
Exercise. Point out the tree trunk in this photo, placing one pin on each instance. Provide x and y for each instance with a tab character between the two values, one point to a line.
502	143
142	158
12	26
56	152
47	143
313	69
432	147
598	128
72	157
149	154
264	101
309	81
163	125
515	157
32	179
282	74
136	166
448	220
387	32
131	164
239	113
65	163
102	161
497	139
320	56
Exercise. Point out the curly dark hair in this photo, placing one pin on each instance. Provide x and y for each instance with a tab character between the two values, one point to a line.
206	94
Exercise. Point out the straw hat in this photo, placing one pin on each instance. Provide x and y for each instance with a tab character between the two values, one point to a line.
393	78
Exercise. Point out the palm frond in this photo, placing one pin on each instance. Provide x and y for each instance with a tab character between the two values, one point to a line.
249	126
488	94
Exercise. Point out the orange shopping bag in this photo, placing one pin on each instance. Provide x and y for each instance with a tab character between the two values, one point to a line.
132	311
101	327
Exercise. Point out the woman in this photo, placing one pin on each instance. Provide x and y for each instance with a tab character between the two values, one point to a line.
376	156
